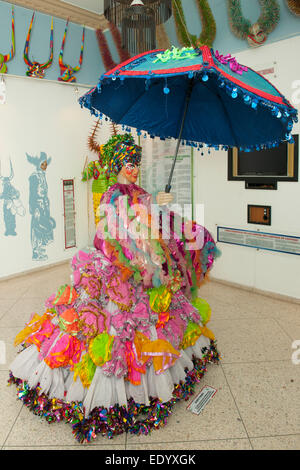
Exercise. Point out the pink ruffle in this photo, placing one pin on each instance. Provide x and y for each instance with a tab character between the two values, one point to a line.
66	352
47	343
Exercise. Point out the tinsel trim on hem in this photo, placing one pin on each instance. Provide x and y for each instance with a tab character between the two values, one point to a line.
117	419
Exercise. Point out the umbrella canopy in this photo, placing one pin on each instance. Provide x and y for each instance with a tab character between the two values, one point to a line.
230	105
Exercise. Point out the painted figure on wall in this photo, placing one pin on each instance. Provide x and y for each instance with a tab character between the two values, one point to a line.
12	205
42	224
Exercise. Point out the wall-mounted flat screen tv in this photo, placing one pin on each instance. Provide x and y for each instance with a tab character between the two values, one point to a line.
278	163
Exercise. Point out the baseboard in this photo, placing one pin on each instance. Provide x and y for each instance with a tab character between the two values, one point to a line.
273	295
34	270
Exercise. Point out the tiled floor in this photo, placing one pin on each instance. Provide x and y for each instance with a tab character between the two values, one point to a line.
257	404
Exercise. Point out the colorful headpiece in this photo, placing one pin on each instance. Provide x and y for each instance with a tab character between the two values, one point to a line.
36	161
125	152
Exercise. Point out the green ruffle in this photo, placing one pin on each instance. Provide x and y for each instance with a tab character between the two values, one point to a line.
100	349
203	308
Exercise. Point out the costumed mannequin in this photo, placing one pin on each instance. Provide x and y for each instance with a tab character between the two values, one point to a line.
117	348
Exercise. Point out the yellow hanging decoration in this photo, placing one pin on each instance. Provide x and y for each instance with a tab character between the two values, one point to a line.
32	326
85	370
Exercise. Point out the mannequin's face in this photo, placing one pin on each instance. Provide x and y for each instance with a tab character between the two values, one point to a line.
44	165
130	172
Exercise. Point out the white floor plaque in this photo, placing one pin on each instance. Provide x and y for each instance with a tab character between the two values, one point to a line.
201	400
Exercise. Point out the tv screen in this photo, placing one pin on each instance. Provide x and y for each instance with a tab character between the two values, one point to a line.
269	162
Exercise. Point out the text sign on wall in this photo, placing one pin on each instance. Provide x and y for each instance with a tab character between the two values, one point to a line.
262	240
69	213
158	156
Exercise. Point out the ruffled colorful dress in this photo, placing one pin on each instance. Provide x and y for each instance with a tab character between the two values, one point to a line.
127	338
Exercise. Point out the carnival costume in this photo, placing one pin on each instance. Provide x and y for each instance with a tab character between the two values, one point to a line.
128	337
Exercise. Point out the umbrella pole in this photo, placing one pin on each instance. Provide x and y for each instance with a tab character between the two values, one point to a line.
187	100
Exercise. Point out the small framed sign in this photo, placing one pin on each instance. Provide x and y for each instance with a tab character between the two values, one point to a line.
259	214
69	213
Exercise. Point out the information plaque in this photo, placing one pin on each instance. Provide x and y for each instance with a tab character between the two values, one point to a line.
158	156
69	213
261	240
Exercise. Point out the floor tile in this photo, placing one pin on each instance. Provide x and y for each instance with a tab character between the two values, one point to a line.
20	312
13	289
7	336
229	444
9	407
222	297
31	430
218	420
224	293
5	305
291	442
267	396
248	340
46	282
45	287
290	323
225	311
89	446
256	405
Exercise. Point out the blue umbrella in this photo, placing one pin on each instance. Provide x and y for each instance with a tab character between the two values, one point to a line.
195	95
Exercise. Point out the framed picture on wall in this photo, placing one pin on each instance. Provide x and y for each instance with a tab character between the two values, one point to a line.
69	213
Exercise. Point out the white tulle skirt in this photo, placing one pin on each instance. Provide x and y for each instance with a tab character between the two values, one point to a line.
104	391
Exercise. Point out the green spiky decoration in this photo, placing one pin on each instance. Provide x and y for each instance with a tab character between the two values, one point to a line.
267	21
208	33
98	169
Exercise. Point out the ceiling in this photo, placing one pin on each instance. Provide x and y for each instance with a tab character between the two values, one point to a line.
87	12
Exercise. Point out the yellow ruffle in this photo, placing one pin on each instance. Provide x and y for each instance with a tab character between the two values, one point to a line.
85	370
159	299
96	204
207	333
35	323
193	333
161	352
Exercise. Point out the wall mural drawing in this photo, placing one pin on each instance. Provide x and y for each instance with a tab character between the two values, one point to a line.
12	204
42	224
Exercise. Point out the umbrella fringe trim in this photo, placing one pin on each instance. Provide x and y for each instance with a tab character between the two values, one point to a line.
283	111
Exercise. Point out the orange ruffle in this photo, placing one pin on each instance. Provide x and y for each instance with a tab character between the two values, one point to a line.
68	321
161	352
66	295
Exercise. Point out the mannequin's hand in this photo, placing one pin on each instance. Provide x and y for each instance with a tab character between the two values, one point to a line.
163	198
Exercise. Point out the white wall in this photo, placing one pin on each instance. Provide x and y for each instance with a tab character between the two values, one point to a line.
44	116
226	201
